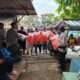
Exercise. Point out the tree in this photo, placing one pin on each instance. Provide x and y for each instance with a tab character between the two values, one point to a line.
49	19
29	21
69	9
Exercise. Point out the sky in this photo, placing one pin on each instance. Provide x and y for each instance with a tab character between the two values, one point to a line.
45	6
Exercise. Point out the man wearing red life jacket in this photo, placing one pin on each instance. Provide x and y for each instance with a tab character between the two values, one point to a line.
30	38
30	41
40	41
45	41
40	38
36	40
45	36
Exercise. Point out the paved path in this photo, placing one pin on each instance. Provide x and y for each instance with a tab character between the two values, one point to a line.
41	68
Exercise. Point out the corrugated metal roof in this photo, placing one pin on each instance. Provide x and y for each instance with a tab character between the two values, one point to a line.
73	23
70	24
17	7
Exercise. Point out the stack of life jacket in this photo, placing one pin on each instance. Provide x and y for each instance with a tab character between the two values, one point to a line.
55	41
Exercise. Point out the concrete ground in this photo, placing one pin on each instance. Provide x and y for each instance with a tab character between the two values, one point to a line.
42	67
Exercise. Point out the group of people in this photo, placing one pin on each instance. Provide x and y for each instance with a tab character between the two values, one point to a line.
51	40
38	39
9	50
20	42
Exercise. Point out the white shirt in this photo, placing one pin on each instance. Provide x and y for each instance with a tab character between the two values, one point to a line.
62	38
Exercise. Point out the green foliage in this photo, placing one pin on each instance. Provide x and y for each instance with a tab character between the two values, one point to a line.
69	9
49	19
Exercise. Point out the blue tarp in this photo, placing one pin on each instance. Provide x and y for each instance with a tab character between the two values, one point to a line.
75	65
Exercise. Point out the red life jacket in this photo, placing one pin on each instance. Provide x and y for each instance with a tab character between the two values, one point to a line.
36	37
30	39
54	41
45	37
